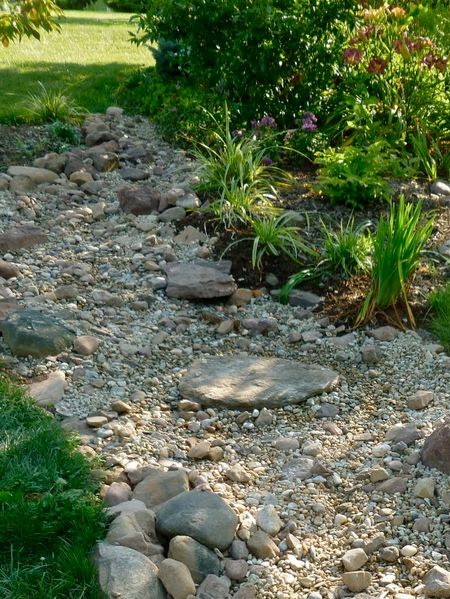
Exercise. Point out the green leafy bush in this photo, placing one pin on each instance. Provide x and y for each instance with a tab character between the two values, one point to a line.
176	109
393	79
268	56
355	176
398	246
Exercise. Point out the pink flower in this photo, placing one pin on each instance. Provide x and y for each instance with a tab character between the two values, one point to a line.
352	56
377	65
428	60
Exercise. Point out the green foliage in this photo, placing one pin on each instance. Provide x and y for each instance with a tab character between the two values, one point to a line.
346	251
171	59
177	110
50	516
25	19
275	235
440	309
48	106
398	246
355	176
74	4
65	133
238	158
268	56
393	78
240	202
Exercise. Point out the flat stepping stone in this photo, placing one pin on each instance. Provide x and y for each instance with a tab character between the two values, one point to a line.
198	281
31	333
250	382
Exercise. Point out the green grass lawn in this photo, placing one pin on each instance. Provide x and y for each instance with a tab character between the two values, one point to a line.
86	61
50	513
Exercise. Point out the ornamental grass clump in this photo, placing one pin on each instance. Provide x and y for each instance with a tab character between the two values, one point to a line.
398	246
234	157
440	309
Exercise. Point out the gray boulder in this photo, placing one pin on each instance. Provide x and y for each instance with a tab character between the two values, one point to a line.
23	236
160	486
200	560
31	333
202	515
126	573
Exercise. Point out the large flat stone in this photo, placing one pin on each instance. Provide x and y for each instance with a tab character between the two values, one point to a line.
249	382
197	281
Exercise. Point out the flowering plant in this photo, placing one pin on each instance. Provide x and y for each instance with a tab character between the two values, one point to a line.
392	80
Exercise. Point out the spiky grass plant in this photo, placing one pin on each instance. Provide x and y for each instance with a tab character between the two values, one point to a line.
440	309
347	249
275	236
398	246
237	158
49	106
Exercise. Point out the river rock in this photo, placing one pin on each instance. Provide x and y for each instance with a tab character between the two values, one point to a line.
357	581
437	583
135	199
204	516
199	559
176	578
7	270
50	390
214	587
23	236
136	531
159	486
31	333
36	175
249	382
123	572
436	449
197	281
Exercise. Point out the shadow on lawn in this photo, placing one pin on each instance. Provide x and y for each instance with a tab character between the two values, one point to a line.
91	86
101	22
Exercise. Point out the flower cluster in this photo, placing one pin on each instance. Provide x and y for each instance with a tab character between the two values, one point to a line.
309	122
431	60
266	122
352	56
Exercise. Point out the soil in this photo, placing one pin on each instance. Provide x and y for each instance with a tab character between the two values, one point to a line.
342	297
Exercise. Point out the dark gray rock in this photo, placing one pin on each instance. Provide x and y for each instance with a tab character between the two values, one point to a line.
159	486
202	515
199	559
436	449
31	333
138	200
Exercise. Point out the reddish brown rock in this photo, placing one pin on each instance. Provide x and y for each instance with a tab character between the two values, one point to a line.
23	236
436	450
137	200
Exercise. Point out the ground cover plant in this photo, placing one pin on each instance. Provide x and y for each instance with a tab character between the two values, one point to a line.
84	62
440	315
50	515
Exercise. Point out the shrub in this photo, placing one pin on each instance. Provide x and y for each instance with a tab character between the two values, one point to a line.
268	56
398	246
355	176
393	78
440	322
177	110
74	4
